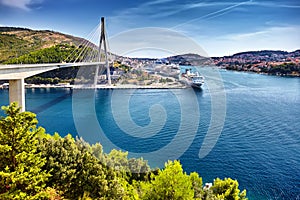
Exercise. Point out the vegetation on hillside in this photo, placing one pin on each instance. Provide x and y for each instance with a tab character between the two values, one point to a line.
15	42
36	165
13	47
55	54
287	68
283	69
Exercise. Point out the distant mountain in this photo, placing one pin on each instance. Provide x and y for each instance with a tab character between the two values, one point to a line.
261	53
265	54
189	59
253	57
15	42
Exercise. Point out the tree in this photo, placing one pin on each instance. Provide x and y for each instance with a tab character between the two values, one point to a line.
71	167
131	169
21	174
228	189
197	185
78	170
170	183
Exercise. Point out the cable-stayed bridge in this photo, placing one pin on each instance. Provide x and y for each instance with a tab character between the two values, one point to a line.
90	55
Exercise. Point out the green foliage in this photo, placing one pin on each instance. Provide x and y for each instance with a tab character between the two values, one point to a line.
21	174
284	69
54	54
170	183
16	42
74	170
162	80
12	46
124	67
117	160
77	172
227	189
40	80
197	185
131	169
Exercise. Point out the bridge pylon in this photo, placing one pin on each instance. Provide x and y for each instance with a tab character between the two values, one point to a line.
102	40
17	92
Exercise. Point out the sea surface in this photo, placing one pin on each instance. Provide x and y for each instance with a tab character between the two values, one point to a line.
259	141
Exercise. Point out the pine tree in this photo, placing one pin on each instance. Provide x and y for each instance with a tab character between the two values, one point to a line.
21	176
170	183
228	189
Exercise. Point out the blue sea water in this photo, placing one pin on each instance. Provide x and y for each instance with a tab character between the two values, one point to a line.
259	144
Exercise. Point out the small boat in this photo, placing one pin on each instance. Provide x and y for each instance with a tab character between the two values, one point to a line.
192	79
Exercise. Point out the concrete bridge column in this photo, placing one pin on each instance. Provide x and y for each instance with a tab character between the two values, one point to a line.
17	92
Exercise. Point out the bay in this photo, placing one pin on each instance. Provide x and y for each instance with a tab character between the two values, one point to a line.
259	144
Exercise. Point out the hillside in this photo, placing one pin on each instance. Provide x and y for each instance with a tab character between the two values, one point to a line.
15	42
189	59
269	62
266	61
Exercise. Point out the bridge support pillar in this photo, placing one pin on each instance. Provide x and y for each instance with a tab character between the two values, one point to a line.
17	92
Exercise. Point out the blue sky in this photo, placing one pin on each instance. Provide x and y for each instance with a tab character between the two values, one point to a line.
219	27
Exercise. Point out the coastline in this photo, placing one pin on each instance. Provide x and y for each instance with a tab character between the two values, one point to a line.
177	85
264	73
76	86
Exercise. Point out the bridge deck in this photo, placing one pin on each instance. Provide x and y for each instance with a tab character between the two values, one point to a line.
21	71
18	72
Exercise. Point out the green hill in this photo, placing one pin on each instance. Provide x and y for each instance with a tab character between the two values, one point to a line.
15	42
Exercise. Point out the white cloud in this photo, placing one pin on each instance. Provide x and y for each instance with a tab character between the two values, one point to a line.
273	4
150	9
156	2
247	2
21	4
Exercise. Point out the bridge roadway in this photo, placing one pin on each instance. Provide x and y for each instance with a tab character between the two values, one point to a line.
16	74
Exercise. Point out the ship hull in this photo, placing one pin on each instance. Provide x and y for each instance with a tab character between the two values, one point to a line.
194	85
